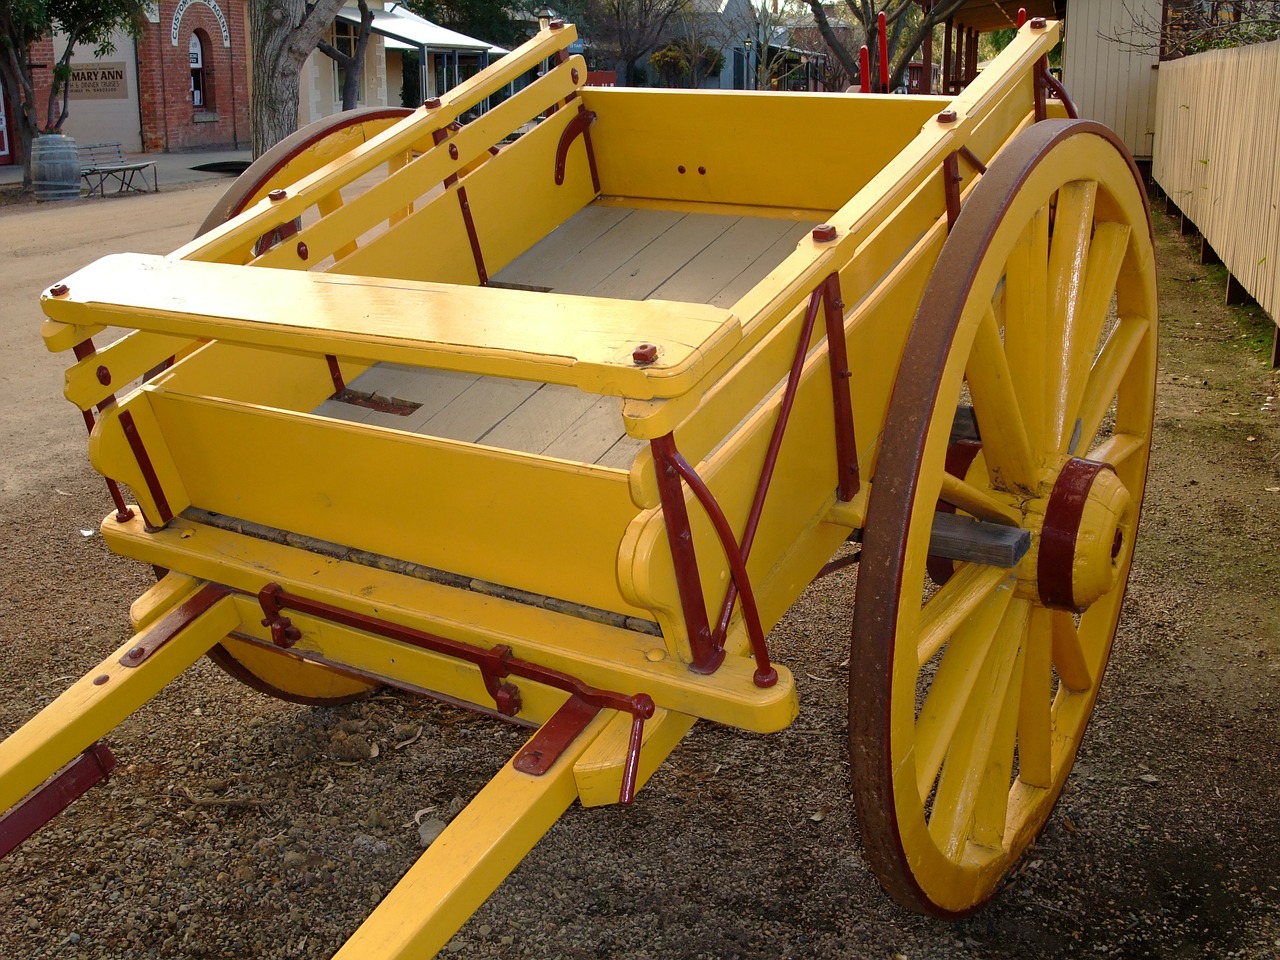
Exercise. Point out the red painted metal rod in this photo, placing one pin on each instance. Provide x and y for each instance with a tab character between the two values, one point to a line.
765	675
771	454
55	795
864	70
884	54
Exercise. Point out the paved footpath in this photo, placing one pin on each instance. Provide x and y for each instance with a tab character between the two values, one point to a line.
172	169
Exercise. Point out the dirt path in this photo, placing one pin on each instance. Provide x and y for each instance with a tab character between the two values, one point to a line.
1165	844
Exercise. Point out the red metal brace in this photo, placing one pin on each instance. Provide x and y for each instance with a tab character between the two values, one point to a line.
55	795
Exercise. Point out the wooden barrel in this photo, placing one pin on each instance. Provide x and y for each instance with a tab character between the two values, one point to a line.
55	167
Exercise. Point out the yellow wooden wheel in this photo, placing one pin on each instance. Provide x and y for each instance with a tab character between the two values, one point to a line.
299	154
280	675
969	698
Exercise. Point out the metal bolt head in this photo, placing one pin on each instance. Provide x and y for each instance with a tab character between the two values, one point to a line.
104	376
680	169
557	24
1037	23
453	151
59	290
824	233
644	354
432	103
277	195
947	116
702	171
303	252
574	75
100	679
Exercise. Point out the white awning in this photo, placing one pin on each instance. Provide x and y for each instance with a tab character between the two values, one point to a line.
405	30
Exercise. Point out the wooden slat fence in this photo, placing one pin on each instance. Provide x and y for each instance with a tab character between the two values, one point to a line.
1217	158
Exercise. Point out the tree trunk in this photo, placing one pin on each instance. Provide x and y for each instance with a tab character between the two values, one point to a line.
20	94
283	33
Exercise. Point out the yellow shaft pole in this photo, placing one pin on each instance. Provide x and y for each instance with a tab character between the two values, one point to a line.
106	695
467	862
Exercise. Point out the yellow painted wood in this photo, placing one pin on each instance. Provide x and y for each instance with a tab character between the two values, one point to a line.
311	667
390	200
644	137
170	591
1026	339
64	336
477	512
1068	258
88	711
1035	717
606	657
467	862
968	589
125	360
977	502
268	378
112	456
979	820
716	209
1008	456
1112	365
598	771
953	688
232	241
963	772
582	342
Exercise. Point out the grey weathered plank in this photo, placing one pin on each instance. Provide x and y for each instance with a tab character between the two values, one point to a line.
759	268
478	408
565	242
610	251
540	419
729	255
954	537
592	434
656	262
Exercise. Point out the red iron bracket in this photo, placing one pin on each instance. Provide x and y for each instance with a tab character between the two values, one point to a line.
495	664
671	468
171	624
1047	83
580	125
123	512
55	795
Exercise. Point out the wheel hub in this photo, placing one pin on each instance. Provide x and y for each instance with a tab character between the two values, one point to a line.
1088	521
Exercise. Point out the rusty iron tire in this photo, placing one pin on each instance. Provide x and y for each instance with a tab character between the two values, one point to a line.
317	143
919	737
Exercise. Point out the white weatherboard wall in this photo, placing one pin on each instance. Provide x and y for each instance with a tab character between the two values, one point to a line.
1109	81
1217	131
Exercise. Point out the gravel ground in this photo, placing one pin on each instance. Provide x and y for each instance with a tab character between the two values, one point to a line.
239	826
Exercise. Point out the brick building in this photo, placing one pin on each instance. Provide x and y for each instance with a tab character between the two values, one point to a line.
182	85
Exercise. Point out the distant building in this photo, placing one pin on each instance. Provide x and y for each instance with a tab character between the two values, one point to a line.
183	84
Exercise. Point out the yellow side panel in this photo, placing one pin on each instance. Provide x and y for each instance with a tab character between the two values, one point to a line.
514	197
268	378
806	150
540	525
429	244
112	456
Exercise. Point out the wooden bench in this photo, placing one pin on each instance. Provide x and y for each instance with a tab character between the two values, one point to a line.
103	164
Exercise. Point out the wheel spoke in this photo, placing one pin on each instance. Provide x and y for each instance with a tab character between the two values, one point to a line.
971	585
1068	653
1116	449
1035	754
1024	328
1108	372
965	496
952	689
1068	256
971	750
1004	435
991	811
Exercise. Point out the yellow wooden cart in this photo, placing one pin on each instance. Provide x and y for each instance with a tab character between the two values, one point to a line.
558	426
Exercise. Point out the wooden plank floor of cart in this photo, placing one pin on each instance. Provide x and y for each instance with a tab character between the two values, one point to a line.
605	250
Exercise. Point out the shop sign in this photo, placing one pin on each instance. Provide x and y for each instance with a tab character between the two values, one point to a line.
175	27
99	80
